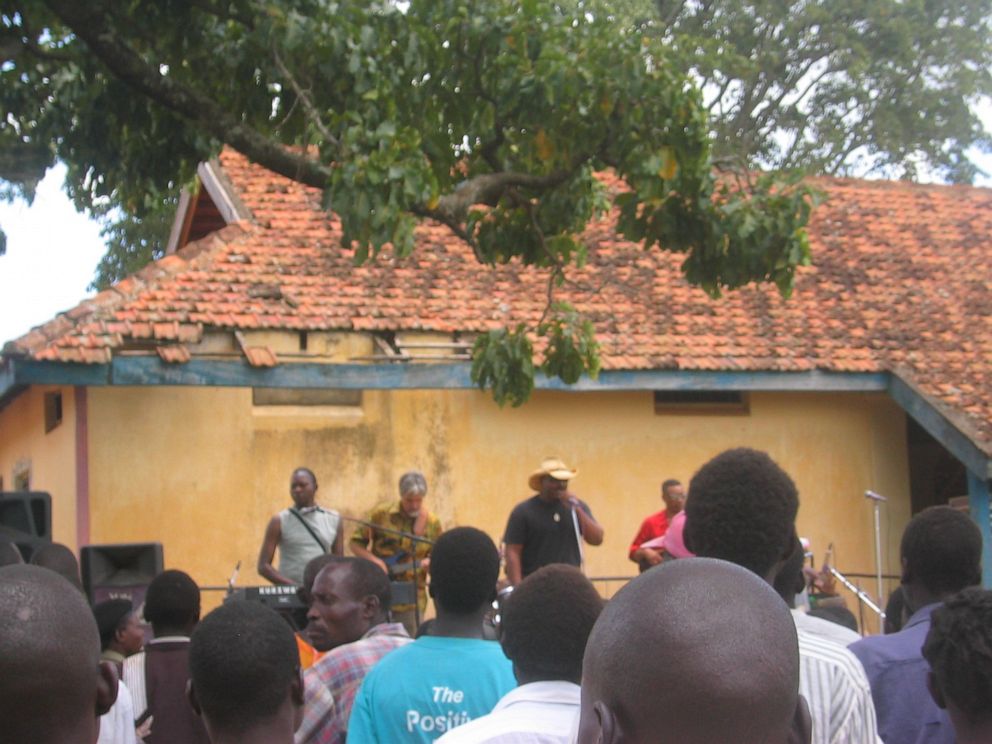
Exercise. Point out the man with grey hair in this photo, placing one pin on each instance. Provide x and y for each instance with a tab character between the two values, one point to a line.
396	554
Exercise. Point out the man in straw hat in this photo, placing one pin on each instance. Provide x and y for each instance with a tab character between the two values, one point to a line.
546	528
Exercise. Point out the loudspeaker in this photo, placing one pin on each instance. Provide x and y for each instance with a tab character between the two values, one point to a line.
120	571
26	519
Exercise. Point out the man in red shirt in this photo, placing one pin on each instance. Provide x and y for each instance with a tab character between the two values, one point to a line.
673	494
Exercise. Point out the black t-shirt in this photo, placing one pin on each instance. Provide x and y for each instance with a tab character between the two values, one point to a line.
546	531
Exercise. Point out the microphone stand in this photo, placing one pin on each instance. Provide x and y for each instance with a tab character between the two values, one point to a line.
859	593
409	536
877	500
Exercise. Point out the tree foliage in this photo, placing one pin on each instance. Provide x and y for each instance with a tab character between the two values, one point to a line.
843	87
489	117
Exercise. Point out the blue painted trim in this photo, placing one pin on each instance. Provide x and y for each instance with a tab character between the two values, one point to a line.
27	372
150	370
203	372
7	378
940	427
654	379
978	504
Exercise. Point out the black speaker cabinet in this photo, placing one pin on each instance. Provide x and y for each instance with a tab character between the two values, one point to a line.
26	519
120	571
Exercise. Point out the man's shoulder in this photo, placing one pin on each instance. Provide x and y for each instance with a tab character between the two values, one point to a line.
383	511
401	654
831	657
655	519
543	712
894	648
369	649
526	506
821	628
424	648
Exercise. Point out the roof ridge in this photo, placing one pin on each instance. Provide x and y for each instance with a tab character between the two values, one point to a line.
889	183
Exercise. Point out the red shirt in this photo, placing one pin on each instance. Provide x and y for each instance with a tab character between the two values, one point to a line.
654	526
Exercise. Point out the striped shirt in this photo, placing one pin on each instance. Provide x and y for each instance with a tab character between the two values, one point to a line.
836	689
330	685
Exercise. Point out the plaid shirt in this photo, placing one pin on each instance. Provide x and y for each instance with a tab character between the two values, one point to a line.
330	685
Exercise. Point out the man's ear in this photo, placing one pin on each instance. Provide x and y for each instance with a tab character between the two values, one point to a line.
907	575
609	730
935	692
106	687
370	606
191	696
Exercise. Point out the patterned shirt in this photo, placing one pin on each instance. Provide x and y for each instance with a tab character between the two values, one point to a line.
330	685
398	551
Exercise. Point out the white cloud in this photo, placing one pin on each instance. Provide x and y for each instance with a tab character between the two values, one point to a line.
52	254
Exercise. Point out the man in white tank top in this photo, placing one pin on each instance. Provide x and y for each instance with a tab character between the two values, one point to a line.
301	532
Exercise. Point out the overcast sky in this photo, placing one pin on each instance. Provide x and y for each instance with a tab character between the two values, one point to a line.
53	251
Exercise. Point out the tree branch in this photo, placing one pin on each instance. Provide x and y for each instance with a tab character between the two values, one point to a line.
488	189
308	105
89	23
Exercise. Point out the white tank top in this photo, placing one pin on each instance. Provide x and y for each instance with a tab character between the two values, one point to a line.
297	546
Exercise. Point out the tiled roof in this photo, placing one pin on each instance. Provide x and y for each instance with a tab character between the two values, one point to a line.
901	282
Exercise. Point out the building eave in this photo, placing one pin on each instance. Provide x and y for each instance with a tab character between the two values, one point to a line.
151	370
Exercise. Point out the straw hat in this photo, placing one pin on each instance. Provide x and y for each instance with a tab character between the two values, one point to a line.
555	468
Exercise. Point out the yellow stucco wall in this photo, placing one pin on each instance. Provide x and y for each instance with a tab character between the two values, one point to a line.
202	470
50	458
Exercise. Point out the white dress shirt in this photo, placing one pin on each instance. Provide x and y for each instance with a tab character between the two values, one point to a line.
535	713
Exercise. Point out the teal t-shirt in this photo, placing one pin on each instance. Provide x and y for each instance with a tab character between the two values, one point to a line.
420	691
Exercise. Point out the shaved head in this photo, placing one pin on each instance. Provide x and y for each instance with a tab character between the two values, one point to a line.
10	554
699	649
51	683
60	559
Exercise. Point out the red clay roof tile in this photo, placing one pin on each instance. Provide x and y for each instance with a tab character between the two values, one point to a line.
901	281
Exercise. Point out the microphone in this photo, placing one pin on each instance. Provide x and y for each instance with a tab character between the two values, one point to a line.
874	496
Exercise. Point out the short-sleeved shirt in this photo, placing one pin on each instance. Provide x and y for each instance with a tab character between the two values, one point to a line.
398	551
654	526
428	687
546	530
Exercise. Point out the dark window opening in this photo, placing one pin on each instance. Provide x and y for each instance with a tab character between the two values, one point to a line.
719	402
935	475
306	397
53	410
